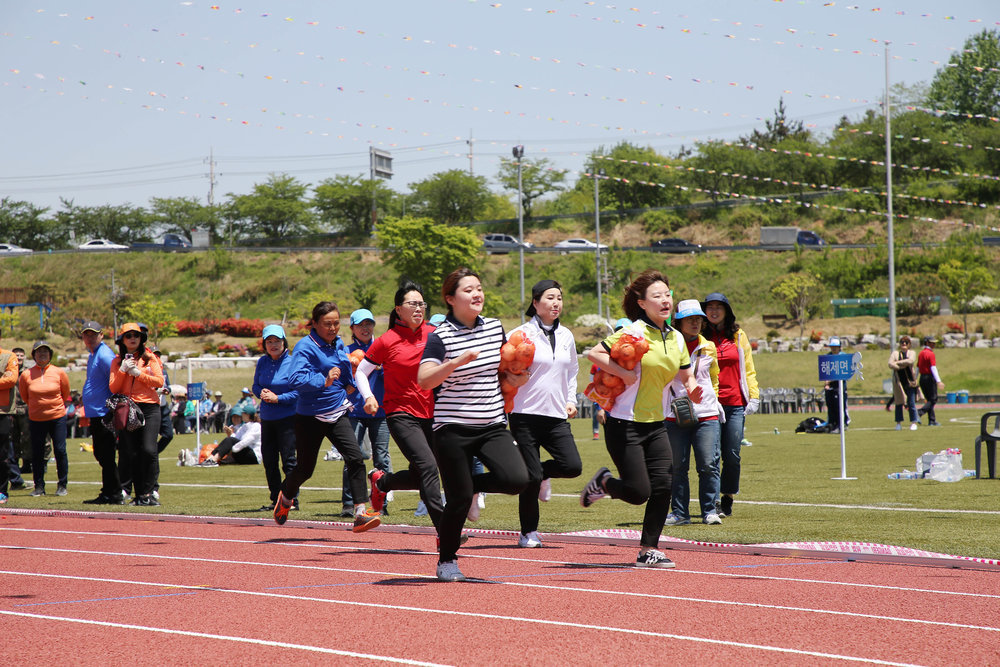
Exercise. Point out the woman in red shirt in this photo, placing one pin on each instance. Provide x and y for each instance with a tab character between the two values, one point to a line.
137	373
45	388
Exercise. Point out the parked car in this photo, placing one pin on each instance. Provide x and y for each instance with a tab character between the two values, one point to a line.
675	245
11	249
101	244
168	241
571	245
500	244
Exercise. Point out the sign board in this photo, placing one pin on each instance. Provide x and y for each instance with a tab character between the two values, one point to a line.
196	391
834	367
200	238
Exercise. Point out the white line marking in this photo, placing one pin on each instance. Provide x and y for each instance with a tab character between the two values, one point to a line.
229	638
446	612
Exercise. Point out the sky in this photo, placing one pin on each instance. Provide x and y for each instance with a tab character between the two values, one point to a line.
116	102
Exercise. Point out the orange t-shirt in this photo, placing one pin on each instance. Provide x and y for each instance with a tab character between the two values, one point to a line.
141	389
46	391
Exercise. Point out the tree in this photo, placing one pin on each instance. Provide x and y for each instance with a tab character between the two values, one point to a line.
345	203
637	177
802	295
451	197
119	224
538	179
970	82
277	209
183	214
157	314
964	284
425	251
24	224
779	129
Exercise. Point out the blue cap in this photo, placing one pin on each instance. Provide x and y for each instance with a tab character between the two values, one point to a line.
360	315
833	342
688	308
237	411
436	320
273	330
623	322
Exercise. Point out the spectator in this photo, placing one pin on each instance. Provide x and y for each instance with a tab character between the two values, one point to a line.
241	444
904	382
46	390
166	422
205	412
635	432
321	373
460	363
930	380
10	475
72	427
191	414
703	438
95	395
543	405
136	373
738	391
272	384
246	403
217	414
20	436
374	426
831	395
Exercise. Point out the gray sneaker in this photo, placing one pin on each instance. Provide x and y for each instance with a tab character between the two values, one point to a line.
595	488
61	490
653	558
449	571
674	520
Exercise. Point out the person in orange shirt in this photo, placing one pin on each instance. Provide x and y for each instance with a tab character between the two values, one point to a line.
137	373
46	390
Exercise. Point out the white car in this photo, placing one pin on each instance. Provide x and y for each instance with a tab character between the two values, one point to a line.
11	249
101	244
579	244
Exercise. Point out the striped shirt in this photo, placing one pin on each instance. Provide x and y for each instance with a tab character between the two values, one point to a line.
471	394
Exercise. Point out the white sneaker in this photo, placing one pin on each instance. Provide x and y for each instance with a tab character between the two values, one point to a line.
482	501
529	541
545	490
332	455
388	497
156	494
473	514
713	519
449	571
421	509
913	426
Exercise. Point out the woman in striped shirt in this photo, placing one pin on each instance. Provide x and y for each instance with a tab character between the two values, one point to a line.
460	363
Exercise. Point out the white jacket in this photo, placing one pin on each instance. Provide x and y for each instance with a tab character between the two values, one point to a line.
705	366
248	435
552	385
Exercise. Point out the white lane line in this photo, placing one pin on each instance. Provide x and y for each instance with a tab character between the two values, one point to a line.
648	596
675	572
446	612
229	638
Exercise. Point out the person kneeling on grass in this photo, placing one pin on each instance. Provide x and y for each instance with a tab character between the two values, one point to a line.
242	441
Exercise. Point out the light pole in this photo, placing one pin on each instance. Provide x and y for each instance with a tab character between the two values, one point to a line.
597	228
891	242
518	152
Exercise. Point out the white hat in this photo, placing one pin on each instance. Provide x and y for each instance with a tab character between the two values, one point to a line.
833	342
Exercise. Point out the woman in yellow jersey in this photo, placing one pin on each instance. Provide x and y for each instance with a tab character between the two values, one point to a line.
634	430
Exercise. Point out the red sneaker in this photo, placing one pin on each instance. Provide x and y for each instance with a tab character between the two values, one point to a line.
377	496
281	507
363	522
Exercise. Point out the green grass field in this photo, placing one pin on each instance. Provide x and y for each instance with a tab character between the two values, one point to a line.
787	492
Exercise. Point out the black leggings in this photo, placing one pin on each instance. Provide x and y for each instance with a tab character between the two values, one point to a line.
534	433
139	447
245	456
454	447
309	434
642	454
277	439
413	436
105	451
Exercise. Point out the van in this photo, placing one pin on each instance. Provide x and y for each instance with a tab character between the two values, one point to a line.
500	244
805	237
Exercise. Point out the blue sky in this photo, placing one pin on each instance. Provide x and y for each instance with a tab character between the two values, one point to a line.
117	102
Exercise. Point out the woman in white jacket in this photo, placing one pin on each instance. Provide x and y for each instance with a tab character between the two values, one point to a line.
703	437
543	405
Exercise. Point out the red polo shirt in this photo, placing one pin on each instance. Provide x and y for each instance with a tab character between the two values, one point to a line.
398	351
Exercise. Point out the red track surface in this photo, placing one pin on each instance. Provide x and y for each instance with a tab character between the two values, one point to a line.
101	590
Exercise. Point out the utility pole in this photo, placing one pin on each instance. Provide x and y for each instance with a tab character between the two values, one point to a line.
888	206
518	152
471	142
211	177
597	228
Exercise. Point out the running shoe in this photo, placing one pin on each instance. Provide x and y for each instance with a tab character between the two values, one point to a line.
473	514
545	490
39	491
281	508
674	520
449	571
363	522
712	519
595	488
725	506
529	541
61	490
3	498
267	507
653	558
377	495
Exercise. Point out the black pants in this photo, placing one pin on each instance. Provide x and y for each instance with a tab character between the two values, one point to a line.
245	456
642	454
277	440
309	434
11	473
534	433
928	387
40	430
454	447
106	451
413	436
139	446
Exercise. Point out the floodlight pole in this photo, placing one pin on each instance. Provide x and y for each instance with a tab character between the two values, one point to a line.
518	152
888	200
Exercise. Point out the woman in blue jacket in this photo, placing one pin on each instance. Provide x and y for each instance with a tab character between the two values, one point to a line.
272	385
321	373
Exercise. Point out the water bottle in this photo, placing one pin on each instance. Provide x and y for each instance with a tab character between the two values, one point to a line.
776	431
906	474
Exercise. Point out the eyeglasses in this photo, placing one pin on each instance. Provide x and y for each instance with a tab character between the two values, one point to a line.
416	304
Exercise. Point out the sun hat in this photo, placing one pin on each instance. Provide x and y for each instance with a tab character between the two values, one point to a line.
360	315
623	322
436	319
246	390
833	342
39	345
688	308
131	326
275	330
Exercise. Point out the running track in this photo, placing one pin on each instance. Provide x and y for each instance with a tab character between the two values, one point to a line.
102	590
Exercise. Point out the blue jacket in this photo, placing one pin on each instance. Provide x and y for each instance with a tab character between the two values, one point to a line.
376	383
274	375
312	359
95	388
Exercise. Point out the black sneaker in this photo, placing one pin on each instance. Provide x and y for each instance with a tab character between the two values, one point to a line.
726	506
595	488
38	491
99	500
347	512
267	507
653	558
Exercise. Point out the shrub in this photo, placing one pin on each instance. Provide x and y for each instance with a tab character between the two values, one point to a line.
955	327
